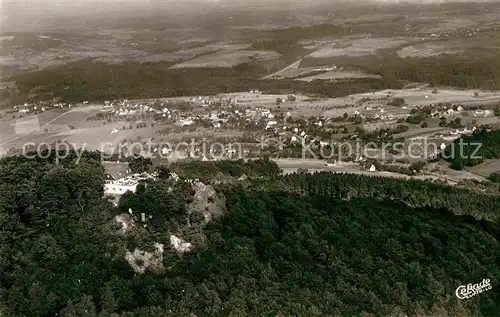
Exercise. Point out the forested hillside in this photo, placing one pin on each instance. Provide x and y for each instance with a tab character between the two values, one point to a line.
92	80
300	245
208	171
472	69
473	149
414	193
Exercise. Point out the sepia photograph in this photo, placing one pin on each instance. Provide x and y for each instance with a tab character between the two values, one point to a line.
234	158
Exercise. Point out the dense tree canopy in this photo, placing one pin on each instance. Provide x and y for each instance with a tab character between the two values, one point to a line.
140	164
208	171
494	177
471	69
473	149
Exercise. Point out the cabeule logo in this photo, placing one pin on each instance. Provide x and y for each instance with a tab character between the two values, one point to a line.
469	290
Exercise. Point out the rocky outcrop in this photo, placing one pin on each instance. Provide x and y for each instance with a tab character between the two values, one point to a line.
180	245
140	260
126	222
205	202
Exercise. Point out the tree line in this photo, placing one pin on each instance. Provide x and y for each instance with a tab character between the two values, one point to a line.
472	69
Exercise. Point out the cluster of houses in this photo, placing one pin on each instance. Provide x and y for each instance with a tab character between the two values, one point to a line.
478	113
126	108
34	108
230	112
165	109
42	106
200	152
232	118
217	109
463	131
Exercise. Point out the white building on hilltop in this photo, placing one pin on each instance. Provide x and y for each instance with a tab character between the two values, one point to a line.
119	187
129	183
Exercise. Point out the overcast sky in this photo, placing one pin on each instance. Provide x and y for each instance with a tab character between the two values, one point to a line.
53	6
15	11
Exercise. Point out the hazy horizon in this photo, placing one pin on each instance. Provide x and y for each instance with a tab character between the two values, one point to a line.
30	13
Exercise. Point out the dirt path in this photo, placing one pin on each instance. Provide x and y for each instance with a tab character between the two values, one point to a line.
284	70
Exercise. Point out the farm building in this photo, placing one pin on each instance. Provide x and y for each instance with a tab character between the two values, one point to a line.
119	187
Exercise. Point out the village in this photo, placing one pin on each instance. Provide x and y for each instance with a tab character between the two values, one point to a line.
248	117
392	129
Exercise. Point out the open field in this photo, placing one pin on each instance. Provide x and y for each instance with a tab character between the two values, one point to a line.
55	120
12	128
6	84
442	169
291	70
266	100
422	147
199	135
227	59
357	47
97	138
336	107
413	97
482	121
439	171
33	138
422	132
444	42
430	49
89	138
351	32
301	73
316	43
311	165
25	52
49	116
49	125
74	116
452	25
424	96
176	56
71	126
291	73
